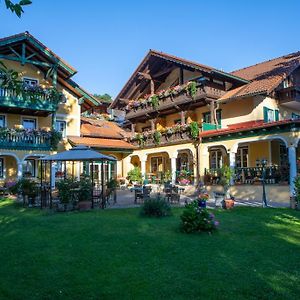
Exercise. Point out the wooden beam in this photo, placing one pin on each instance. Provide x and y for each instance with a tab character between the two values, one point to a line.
163	72
145	75
126	101
23	57
33	62
15	52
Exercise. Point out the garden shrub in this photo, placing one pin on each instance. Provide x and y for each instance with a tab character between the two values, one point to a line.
196	219
156	208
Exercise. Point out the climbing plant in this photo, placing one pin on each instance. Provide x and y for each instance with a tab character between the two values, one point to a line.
194	130
154	100
156	137
191	88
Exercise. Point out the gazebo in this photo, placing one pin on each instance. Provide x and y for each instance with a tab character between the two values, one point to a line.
77	154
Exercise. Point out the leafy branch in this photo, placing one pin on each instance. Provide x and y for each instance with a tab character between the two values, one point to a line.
17	8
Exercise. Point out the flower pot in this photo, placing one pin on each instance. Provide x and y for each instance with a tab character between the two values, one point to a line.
84	205
228	204
202	203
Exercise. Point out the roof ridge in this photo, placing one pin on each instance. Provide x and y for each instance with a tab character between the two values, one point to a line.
265	61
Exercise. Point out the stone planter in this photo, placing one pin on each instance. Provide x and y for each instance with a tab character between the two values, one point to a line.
228	204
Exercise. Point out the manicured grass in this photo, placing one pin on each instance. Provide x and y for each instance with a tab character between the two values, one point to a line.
115	254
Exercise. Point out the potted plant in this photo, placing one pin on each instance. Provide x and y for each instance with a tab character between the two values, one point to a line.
85	193
65	188
135	175
203	197
226	175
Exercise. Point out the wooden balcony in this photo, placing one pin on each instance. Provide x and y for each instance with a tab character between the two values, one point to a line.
209	90
21	139
289	95
14	102
165	140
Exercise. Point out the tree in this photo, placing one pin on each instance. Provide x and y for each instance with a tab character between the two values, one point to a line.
17	8
105	97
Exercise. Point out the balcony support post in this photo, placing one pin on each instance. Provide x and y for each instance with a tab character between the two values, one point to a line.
212	112
182	116
152	124
293	168
133	128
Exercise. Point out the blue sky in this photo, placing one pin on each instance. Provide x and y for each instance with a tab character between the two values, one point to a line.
106	40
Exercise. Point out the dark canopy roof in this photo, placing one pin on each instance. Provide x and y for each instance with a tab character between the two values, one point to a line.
79	153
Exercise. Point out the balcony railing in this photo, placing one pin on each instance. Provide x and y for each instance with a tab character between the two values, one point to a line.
11	98
139	108
251	175
20	139
209	126
165	139
289	94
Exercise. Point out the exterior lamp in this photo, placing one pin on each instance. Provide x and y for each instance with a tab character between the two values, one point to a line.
263	163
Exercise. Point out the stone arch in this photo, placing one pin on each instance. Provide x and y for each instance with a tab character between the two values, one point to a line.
12	168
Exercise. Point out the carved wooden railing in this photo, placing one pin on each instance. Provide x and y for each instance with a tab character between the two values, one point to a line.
14	99
25	139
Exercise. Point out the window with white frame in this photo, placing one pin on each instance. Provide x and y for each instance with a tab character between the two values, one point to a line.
61	127
29	123
32	82
2	121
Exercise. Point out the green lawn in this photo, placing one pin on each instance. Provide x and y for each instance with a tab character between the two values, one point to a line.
115	254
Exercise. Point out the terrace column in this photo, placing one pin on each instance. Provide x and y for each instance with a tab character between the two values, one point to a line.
143	166
293	167
20	170
53	168
232	165
173	169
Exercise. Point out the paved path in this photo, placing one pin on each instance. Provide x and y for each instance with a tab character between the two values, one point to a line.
125	199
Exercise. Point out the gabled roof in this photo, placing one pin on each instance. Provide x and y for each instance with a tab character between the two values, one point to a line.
36	44
35	52
264	77
178	61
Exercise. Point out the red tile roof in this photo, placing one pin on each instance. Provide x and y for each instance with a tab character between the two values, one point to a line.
102	128
265	76
101	143
245	126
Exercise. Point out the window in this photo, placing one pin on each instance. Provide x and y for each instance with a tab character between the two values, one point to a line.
295	116
29	123
29	167
2	121
30	81
271	115
156	164
242	157
216	159
61	126
1	167
206	116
